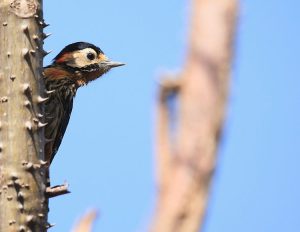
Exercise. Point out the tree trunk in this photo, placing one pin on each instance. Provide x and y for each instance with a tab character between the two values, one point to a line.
23	206
185	167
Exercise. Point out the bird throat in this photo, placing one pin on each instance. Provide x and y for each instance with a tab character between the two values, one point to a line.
78	76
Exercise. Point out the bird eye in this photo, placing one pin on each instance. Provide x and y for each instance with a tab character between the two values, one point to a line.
90	56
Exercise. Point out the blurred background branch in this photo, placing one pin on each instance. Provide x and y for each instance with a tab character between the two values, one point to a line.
86	222
185	166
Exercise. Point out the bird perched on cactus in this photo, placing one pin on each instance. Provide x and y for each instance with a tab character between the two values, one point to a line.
75	66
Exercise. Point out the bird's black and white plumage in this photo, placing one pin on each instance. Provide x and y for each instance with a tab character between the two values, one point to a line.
76	65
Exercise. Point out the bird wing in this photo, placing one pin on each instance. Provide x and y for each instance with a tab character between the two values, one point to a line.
57	111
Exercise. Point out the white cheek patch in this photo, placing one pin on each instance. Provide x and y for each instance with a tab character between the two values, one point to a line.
80	58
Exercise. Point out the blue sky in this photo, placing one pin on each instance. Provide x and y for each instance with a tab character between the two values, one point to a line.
107	152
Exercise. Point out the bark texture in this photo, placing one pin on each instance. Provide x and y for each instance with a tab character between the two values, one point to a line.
186	163
23	206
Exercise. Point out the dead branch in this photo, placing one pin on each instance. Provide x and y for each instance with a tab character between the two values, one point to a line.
57	190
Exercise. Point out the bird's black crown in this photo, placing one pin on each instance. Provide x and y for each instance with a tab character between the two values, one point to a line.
78	46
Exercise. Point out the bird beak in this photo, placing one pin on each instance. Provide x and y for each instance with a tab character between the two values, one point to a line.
111	64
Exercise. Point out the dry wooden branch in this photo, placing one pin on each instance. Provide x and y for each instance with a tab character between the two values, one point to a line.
57	190
185	172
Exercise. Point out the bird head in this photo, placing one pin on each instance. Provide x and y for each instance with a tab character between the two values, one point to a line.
84	62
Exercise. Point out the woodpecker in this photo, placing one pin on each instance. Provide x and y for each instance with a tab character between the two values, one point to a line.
75	66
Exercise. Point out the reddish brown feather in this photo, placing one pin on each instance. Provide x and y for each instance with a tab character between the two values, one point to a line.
55	73
64	57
